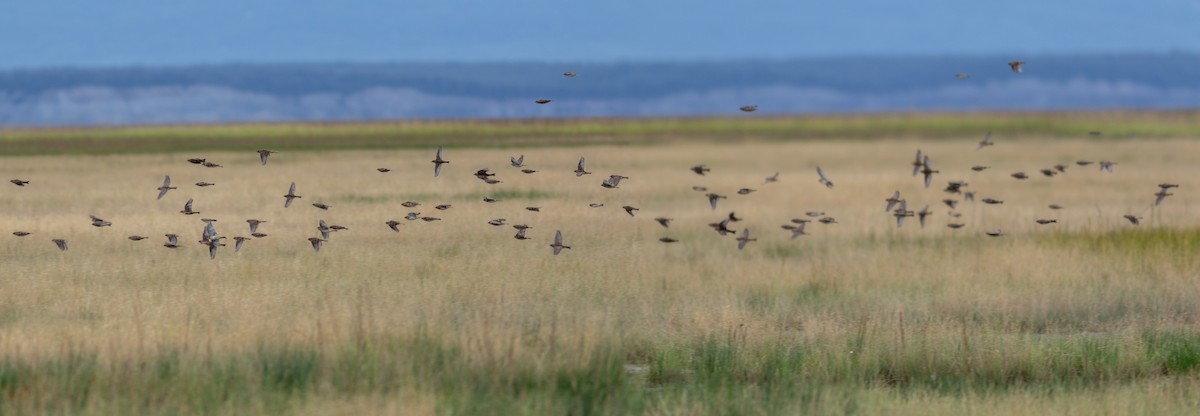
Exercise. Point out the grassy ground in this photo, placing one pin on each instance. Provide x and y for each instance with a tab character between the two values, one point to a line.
560	132
1091	315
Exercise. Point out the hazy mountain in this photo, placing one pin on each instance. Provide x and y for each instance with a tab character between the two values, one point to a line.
276	92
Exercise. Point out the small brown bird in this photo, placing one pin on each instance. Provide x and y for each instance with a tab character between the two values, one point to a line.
19	182
187	208
258	235
733	217
745	238
798	230
1049	173
558	243
892	201
521	235
316	243
383	170
412	216
987	141
172	241
521	226
254	224
409	204
824	180
613	181
979	168
745	191
1044	221
950	203
955	226
430	219
668	240
438	162
568	74
542	101
99	222
814	214
394	225
928	170
324	228
1135	220
712	199
699	189
901	212
749	108
629	209
497	222
1055	206
1107	165
204	184
992	201
290	196
1061	168
196	161
136	237
211	165
483	173
263	154
239	240
528	171
595	205
954	187
21	233
924	212
321	205
534	209
722	227
442	207
700	169
166	186
491	181
62	244
1020	175
827	220
336	227
579	170
663	221
1160	196
1017	66
1083	162
918	163
489	200
996	233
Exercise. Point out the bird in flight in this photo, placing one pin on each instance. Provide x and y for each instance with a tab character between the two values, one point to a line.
987	141
187	208
263	154
290	195
166	186
1017	66
749	108
579	170
745	238
62	244
824	180
558	243
438	162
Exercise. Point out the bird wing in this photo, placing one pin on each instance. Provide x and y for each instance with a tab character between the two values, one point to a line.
292	189
558	237
437	169
821	173
187	206
439	153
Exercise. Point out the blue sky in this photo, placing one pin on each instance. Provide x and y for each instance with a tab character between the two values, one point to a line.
53	33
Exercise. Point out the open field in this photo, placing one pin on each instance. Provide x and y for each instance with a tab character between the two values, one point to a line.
1091	315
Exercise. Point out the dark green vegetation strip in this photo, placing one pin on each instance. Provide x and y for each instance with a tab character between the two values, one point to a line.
720	372
514	133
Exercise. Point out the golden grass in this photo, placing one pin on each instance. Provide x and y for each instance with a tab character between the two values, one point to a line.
878	307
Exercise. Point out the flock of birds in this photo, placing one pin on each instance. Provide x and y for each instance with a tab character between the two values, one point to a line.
896	205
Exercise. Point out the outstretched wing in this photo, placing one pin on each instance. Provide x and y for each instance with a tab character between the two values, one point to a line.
558	237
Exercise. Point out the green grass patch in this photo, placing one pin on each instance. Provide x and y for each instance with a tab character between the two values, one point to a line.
569	132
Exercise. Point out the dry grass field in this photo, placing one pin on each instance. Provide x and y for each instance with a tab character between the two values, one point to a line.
1091	315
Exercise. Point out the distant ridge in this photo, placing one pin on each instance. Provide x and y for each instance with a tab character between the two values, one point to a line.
349	91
